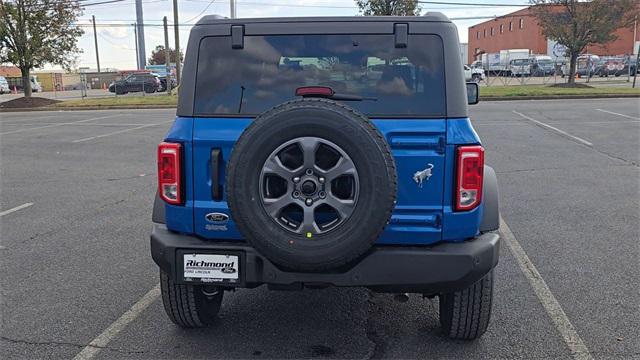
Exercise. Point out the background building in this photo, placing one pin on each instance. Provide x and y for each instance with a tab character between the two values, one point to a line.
520	30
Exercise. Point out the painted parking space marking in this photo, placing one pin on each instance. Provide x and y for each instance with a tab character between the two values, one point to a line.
25	118
81	124
618	114
555	129
102	340
60	124
12	210
551	305
119	132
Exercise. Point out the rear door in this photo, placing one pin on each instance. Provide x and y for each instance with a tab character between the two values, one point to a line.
407	82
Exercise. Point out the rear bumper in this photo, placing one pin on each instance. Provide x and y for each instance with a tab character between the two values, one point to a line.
442	268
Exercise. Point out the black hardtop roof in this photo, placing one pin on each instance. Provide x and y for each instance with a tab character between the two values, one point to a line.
433	23
428	17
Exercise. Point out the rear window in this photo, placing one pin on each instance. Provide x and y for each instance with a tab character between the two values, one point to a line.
267	71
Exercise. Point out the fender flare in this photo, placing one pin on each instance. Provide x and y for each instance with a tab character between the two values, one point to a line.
491	211
158	215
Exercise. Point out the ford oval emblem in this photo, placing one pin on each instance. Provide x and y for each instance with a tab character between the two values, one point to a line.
218	218
228	270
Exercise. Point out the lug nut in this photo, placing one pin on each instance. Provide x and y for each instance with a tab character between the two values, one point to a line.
308	202
309	172
321	180
322	194
296	179
296	194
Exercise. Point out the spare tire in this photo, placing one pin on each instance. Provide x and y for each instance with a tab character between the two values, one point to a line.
311	184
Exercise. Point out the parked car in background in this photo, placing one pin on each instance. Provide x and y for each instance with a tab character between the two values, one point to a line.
542	65
163	82
16	82
520	67
633	63
473	74
585	65
616	66
4	86
136	82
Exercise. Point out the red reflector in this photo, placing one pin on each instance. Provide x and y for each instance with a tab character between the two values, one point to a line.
470	172
170	172
314	91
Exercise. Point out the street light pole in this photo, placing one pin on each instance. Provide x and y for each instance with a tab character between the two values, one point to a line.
176	33
135	36
232	10
95	39
167	55
142	61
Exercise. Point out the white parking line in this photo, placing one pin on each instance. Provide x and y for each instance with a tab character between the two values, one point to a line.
119	132
580	140
551	305
28	118
615	113
60	124
6	212
102	340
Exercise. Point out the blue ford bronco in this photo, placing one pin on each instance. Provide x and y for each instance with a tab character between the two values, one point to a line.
317	152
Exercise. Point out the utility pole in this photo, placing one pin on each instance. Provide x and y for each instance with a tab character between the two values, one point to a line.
167	54
232	6
635	73
135	36
176	34
142	61
95	39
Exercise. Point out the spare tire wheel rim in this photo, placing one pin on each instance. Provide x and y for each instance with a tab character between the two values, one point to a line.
309	185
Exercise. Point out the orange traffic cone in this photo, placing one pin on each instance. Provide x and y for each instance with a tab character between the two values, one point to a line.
104	86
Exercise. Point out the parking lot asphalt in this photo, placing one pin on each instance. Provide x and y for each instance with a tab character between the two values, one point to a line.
75	207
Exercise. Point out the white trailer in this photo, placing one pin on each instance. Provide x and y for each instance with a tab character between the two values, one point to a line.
491	63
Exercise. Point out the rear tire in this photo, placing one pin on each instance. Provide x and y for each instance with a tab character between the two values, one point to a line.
187	305
465	314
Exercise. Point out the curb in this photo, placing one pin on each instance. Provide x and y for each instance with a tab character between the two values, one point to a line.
482	98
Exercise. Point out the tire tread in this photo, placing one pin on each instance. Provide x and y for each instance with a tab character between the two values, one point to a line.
465	314
184	306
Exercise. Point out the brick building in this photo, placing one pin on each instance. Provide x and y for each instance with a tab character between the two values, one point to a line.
520	30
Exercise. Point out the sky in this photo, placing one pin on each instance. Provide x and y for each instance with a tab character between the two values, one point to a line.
116	40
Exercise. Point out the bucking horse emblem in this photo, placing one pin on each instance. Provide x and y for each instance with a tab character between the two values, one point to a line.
420	176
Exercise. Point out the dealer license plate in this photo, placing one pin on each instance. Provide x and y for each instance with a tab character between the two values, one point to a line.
211	268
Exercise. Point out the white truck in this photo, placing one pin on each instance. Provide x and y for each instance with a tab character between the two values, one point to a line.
498	63
507	56
473	74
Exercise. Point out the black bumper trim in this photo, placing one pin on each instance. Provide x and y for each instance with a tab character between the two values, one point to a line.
435	269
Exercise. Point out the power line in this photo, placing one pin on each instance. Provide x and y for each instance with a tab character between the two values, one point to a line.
201	12
471	4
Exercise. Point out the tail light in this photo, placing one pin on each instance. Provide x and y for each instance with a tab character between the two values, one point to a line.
469	177
170	172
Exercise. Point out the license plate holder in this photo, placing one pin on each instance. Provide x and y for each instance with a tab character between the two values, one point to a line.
224	268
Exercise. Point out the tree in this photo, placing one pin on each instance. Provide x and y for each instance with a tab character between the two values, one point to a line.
389	7
38	32
578	24
157	56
